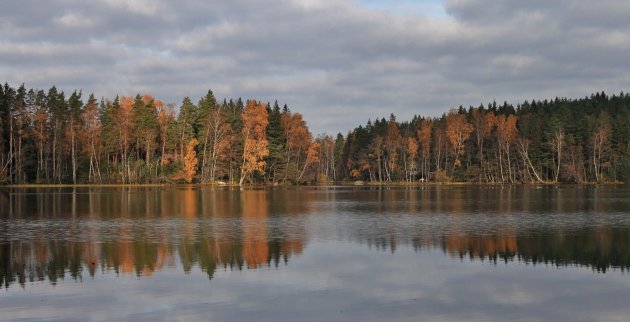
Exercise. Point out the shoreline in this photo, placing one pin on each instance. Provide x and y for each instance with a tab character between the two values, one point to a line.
340	184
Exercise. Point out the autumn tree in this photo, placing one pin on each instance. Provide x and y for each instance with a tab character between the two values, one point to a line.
190	161
312	158
298	140
457	132
255	121
483	123
411	150
48	138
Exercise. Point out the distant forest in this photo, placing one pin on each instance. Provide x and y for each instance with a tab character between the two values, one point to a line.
49	138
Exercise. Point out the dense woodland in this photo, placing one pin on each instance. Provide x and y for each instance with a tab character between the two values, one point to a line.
51	137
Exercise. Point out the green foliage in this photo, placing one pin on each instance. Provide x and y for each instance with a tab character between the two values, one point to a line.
205	106
277	143
623	171
44	138
109	136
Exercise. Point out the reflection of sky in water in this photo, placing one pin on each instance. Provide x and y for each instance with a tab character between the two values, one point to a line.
334	281
481	253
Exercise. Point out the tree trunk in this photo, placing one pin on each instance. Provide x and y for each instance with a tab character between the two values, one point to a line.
523	149
205	149
73	150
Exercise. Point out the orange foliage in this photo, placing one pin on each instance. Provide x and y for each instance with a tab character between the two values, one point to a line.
313	153
190	161
255	236
298	142
296	131
255	121
412	147
312	157
506	129
457	131
483	125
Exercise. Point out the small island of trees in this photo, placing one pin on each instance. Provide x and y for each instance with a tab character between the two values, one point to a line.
48	138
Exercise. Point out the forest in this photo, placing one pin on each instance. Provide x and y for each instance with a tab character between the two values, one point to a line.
48	137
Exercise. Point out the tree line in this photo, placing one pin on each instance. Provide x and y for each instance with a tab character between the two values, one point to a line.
561	140
47	137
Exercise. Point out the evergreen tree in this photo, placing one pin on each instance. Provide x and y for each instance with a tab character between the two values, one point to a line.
206	106
74	127
277	143
58	111
147	126
186	123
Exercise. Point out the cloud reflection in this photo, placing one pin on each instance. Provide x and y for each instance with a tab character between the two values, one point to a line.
57	233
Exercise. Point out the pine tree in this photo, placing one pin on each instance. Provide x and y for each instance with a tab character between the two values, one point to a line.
186	123
277	143
147	126
207	105
75	119
92	125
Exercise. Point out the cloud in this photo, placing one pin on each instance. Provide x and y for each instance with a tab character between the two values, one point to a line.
70	20
143	7
326	59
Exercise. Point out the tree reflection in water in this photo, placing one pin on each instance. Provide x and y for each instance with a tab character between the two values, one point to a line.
50	234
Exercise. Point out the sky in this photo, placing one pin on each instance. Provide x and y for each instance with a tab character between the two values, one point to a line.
338	62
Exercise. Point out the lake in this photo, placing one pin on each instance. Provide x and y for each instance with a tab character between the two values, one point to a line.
431	253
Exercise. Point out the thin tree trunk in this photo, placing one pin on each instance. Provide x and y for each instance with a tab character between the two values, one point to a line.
54	152
73	149
523	149
205	149
501	164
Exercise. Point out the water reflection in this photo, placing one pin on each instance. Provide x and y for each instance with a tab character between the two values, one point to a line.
50	234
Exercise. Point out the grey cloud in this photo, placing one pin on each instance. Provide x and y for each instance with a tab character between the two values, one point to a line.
337	62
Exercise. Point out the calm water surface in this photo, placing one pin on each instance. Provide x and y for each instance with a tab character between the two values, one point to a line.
315	254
